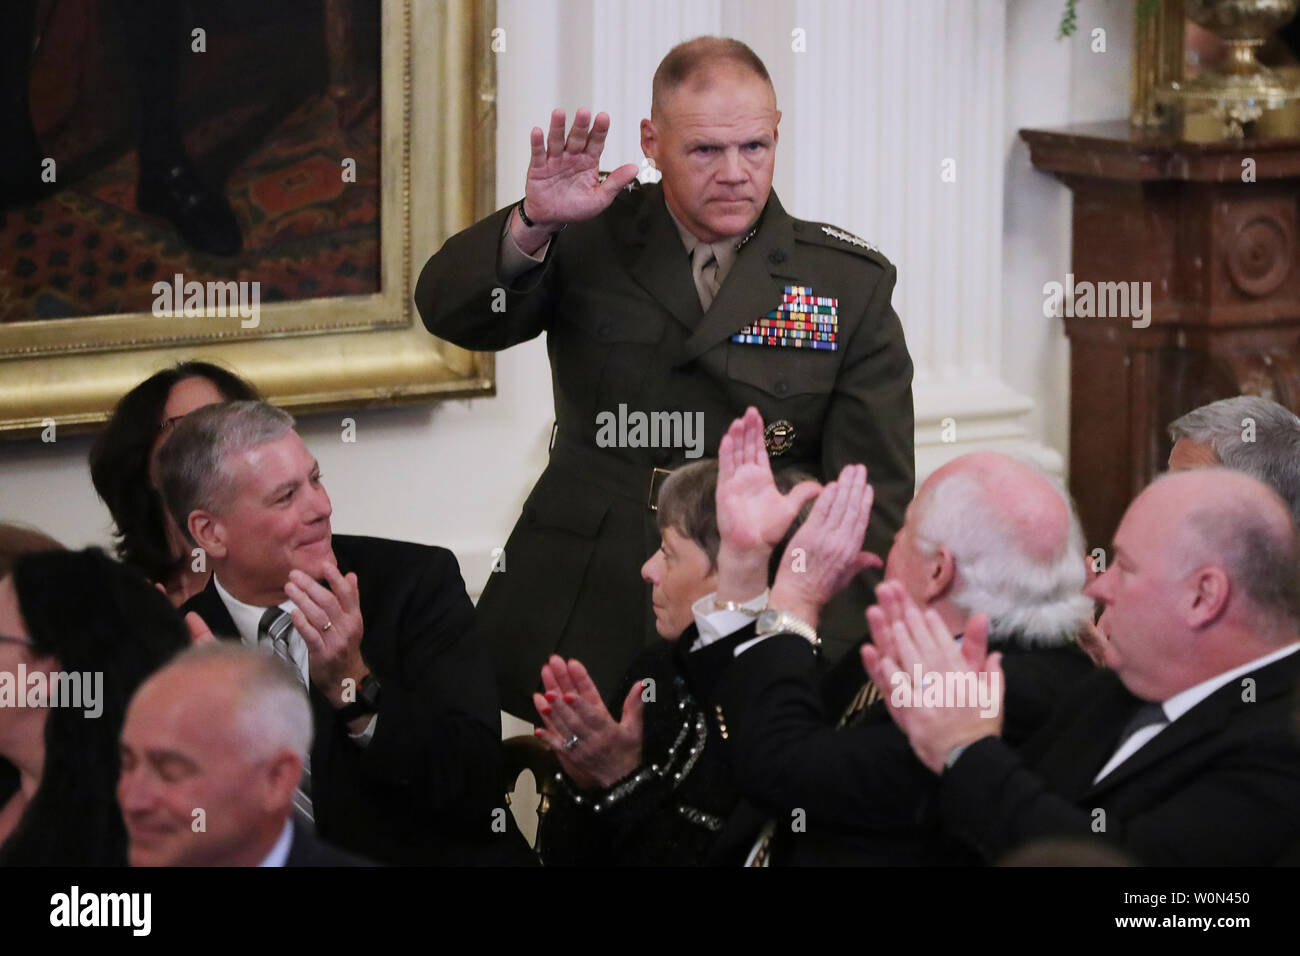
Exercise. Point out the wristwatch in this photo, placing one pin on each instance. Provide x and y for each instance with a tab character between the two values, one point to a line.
367	701
773	621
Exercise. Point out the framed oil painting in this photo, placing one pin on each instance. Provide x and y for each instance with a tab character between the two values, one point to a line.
248	183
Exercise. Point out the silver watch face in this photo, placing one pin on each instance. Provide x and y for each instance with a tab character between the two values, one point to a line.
768	620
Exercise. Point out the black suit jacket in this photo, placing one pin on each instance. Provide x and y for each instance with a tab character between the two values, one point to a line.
857	794
424	789
307	849
1220	786
624	326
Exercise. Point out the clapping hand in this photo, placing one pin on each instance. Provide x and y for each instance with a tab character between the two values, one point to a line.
593	748
753	514
910	643
825	554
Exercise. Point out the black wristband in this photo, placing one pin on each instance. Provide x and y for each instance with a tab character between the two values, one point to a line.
532	225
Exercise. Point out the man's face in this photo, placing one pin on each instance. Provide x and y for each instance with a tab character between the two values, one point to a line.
278	519
1139	591
905	562
715	143
680	574
1187	454
180	756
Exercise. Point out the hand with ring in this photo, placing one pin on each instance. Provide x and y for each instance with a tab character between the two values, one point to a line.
329	621
593	748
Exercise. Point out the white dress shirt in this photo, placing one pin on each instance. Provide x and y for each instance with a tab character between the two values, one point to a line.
1184	701
280	852
248	619
714	625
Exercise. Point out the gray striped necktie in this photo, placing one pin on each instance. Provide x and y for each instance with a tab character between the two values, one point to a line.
273	632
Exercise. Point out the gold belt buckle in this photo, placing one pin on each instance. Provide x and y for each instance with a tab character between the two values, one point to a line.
657	476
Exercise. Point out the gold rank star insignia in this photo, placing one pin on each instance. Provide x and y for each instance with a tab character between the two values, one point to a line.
778	437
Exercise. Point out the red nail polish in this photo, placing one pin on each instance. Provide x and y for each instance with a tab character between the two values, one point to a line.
569	698
544	711
551	696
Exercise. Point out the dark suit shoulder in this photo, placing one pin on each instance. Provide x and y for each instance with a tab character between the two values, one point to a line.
826	236
307	849
362	551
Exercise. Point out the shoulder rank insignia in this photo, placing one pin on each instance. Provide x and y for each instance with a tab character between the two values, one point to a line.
803	320
849	238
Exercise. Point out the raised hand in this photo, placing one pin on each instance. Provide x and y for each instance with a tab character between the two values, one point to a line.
825	554
563	183
593	748
752	513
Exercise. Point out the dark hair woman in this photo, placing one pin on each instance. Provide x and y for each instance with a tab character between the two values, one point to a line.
122	466
73	613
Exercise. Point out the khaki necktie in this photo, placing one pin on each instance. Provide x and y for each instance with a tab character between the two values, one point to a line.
704	270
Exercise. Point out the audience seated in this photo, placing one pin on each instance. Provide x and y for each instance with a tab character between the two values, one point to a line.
212	750
985	531
1183	751
94	631
122	468
653	787
405	767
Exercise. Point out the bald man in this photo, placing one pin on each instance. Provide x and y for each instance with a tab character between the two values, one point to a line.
985	532
1182	752
212	750
668	307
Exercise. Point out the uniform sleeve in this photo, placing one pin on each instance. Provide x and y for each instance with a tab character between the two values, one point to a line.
870	419
479	292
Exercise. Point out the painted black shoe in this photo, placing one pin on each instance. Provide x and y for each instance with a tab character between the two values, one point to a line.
200	214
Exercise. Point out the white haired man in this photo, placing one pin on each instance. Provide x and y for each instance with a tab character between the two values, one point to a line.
212	750
1182	752
984	531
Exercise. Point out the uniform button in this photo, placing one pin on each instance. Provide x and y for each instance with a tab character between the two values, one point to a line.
776	256
798	227
781	387
606	329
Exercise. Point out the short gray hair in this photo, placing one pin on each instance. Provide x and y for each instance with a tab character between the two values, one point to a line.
1273	457
192	472
1033	602
273	712
688	503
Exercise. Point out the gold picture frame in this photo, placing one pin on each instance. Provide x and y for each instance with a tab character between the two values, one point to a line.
437	159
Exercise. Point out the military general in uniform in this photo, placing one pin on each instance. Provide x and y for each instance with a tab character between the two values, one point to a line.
669	308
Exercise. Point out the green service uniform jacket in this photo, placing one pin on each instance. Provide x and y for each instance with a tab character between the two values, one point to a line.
625	328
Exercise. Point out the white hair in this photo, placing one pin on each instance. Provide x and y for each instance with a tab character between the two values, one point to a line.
272	709
1029	601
